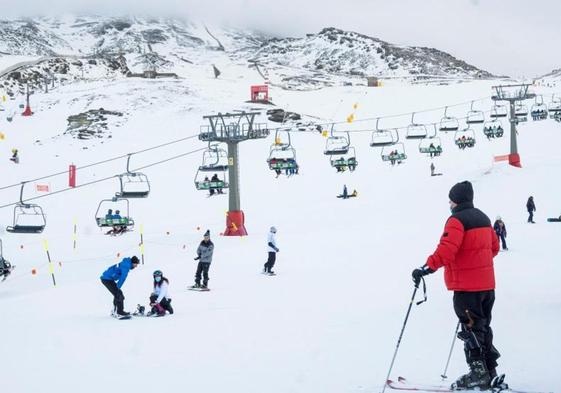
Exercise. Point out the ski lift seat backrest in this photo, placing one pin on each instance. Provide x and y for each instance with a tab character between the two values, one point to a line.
22	222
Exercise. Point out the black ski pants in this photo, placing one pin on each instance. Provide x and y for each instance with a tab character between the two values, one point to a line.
474	312
530	216
202	270
502	239
270	261
165	303
118	297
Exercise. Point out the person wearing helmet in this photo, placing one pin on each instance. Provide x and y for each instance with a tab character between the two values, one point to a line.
113	279
500	229
160	300
273	249
204	256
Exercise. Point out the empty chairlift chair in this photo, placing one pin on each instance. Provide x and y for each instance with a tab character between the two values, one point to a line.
28	217
381	137
521	112
415	130
133	184
335	145
475	116
448	123
498	111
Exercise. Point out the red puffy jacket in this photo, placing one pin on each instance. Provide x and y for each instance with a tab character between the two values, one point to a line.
466	251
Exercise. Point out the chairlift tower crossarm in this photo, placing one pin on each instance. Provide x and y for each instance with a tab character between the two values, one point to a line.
233	128
512	94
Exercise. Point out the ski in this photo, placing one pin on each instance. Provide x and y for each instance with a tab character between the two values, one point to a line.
405	385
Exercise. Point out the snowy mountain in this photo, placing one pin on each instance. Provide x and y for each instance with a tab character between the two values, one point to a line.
330	57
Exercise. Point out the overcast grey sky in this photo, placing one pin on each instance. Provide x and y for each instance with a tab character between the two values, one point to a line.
477	31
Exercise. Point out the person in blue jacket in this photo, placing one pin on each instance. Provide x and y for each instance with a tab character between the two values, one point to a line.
113	279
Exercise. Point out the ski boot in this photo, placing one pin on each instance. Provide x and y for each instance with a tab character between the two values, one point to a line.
196	285
478	377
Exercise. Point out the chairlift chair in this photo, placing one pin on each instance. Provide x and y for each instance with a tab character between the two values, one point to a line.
464	138
493	128
498	111
104	220
416	131
342	162
448	123
393	154
203	183
521	112
215	159
282	158
431	145
539	110
382	138
28	218
475	116
133	184
335	145
554	107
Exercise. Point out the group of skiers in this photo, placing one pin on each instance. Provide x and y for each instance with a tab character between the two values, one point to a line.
214	179
115	276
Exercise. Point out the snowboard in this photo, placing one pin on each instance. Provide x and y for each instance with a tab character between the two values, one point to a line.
268	274
199	289
117	316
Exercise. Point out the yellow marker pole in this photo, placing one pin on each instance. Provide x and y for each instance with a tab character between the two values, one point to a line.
51	267
75	235
142	242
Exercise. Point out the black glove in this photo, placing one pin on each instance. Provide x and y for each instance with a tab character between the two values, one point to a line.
197	258
277	249
421	272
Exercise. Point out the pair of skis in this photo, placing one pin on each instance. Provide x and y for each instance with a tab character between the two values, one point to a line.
405	385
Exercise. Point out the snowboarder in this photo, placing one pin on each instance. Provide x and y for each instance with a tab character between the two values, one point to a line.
113	279
204	256
500	229
531	206
159	299
466	251
15	157
273	249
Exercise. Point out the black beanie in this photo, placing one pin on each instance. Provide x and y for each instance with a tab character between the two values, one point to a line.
207	233
134	259
461	192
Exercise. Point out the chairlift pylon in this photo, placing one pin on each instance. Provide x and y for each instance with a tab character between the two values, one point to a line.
28	217
133	184
448	123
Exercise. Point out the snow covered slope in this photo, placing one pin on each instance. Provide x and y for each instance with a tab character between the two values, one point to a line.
329	320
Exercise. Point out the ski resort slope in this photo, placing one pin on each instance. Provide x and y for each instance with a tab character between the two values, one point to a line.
329	321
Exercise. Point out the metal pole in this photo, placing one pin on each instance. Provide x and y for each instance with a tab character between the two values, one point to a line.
443	375
513	141
234	173
400	336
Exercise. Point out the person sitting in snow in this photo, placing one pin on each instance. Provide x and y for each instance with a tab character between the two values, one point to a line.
160	301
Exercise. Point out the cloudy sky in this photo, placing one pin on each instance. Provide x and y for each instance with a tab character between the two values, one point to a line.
513	37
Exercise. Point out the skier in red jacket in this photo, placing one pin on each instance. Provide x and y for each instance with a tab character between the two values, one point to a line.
466	252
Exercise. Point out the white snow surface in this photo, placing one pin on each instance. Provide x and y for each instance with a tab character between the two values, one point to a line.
329	321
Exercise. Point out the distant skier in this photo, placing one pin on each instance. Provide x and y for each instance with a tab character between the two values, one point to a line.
432	168
15	156
273	249
531	206
500	229
160	301
204	256
466	251
113	279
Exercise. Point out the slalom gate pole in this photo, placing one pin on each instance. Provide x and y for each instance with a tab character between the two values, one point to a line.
51	267
142	242
403	327
443	375
74	235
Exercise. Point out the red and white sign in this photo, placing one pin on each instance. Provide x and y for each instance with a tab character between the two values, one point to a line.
42	187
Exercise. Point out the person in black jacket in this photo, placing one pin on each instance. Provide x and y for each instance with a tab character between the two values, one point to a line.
500	229
531	206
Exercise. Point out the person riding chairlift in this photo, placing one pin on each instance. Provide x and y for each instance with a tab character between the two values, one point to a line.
216	180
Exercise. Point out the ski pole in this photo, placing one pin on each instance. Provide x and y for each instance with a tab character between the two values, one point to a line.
403	328
443	375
